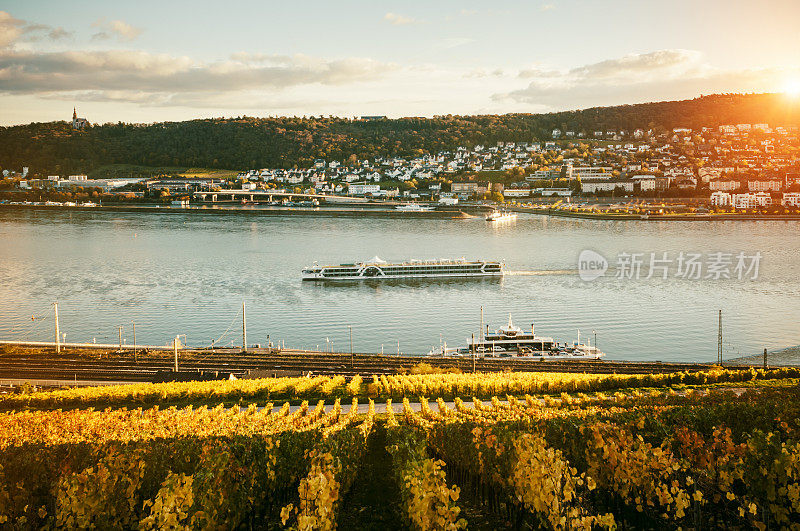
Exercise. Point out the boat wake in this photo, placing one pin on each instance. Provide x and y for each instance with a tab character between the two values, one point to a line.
537	272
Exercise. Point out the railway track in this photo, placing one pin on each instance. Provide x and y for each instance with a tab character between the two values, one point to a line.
103	365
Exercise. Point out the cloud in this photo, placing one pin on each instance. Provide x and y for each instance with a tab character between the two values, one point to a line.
137	77
114	28
10	29
454	42
658	75
59	33
482	73
399	20
14	29
630	67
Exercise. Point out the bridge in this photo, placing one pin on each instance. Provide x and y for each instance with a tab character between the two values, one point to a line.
268	196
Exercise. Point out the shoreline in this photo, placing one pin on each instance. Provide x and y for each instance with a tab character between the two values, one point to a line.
373	211
661	217
261	211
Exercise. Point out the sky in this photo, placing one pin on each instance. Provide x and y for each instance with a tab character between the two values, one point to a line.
148	61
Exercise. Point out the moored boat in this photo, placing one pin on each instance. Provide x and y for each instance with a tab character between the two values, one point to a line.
413	207
512	342
498	215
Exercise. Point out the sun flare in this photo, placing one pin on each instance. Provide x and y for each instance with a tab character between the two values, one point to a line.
792	87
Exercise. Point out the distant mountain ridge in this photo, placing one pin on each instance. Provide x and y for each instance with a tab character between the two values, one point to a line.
246	142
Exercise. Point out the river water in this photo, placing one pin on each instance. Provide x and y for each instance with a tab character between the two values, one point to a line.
188	273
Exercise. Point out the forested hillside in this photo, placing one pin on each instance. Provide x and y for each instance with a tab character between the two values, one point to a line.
240	143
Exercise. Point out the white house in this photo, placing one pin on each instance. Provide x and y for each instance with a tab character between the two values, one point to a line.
590	187
516	192
549	192
362	188
721	199
791	199
765	186
756	200
646	183
721	185
592	172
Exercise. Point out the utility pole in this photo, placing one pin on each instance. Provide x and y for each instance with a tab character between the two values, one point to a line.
120	337
595	338
135	356
58	339
472	347
719	339
765	359
352	356
175	350
481	330
244	330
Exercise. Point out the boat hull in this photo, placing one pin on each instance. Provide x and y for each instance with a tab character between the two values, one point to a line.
356	278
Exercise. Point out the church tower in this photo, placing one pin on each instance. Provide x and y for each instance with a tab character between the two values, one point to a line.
78	124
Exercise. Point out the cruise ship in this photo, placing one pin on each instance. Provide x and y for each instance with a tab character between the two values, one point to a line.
511	341
376	268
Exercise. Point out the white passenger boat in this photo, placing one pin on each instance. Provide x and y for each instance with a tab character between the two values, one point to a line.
413	207
512	342
376	268
497	215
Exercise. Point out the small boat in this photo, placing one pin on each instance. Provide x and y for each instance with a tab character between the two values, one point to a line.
498	215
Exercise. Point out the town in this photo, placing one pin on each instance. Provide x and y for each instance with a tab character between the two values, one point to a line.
741	167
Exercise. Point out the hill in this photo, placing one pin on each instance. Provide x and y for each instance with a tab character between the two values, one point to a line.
245	142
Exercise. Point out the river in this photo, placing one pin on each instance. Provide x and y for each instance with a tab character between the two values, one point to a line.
188	273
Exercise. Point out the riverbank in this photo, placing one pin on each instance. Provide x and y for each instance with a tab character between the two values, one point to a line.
372	210
255	210
656	217
785	356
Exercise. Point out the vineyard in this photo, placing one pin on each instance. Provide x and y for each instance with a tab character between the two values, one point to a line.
654	459
396	387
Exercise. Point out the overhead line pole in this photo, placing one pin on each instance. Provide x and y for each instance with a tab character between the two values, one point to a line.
58	339
472	347
244	329
719	339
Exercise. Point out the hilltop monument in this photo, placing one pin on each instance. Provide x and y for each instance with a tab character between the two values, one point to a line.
78	124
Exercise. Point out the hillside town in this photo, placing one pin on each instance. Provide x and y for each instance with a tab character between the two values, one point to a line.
741	166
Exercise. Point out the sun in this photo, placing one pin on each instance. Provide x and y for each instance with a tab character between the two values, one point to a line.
791	87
